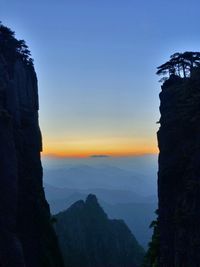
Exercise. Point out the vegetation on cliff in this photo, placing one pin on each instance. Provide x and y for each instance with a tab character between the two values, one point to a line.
13	49
151	257
180	64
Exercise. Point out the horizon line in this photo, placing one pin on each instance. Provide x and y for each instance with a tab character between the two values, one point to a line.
95	156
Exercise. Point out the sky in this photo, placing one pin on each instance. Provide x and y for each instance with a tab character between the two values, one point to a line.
96	62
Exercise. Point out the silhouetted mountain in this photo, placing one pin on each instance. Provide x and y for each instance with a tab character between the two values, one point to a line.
137	216
88	238
26	234
136	211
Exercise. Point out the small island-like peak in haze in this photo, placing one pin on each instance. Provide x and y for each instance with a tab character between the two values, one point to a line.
99	156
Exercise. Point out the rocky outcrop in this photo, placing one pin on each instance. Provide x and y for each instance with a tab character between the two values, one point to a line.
27	237
179	172
89	239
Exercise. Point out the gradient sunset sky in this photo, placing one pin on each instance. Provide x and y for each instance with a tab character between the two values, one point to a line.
96	62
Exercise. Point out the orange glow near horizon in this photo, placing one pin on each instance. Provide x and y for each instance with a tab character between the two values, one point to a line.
114	147
86	155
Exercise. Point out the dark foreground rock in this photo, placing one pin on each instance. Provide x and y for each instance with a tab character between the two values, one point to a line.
27	238
179	172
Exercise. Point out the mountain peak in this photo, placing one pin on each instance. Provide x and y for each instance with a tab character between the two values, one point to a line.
95	240
91	198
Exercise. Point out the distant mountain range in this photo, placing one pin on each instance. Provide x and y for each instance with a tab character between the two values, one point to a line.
126	189
111	196
83	177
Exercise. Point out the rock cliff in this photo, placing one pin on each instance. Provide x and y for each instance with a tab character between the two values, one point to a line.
179	172
27	237
89	239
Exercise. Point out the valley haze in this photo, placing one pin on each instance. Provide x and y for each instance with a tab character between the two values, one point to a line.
125	187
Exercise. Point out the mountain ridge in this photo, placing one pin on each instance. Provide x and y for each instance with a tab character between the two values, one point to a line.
93	239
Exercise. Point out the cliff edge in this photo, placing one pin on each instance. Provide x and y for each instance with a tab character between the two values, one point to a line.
27	237
179	172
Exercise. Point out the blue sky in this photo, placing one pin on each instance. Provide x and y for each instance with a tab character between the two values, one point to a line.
96	64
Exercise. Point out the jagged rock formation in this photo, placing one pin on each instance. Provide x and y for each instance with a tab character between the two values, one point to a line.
27	238
89	239
179	172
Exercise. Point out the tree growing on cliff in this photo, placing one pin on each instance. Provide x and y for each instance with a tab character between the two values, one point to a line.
151	257
180	64
12	48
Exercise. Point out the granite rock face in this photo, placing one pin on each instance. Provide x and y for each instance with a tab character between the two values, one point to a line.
27	236
179	172
88	238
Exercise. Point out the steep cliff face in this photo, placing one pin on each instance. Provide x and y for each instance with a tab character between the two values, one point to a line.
27	237
89	239
179	172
